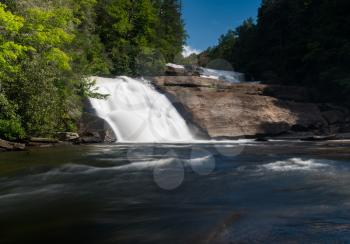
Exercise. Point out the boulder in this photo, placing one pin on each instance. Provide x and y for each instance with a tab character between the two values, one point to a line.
68	136
93	138
19	146
6	145
93	129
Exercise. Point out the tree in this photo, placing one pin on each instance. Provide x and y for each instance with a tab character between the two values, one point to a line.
301	42
170	28
10	53
49	47
126	28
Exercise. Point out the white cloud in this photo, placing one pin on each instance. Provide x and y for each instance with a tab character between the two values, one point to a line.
187	51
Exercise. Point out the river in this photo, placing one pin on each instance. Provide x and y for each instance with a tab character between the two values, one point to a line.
234	192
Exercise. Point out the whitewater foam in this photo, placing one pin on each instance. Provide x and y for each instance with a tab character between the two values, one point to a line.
225	75
229	76
165	163
138	113
297	164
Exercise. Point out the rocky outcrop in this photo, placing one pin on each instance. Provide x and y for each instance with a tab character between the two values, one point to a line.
11	146
93	129
68	136
180	70
225	110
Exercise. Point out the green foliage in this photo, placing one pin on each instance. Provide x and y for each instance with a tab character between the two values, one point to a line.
34	75
170	29
10	124
294	42
130	29
49	47
8	21
10	51
126	27
11	129
150	62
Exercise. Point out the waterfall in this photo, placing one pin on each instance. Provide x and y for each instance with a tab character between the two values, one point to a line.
137	112
229	76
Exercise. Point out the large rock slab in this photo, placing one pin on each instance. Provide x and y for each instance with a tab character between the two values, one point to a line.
223	110
292	93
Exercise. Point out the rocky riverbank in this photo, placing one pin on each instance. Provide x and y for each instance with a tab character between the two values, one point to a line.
219	109
88	135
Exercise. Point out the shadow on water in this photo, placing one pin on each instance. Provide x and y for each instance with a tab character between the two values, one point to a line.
203	193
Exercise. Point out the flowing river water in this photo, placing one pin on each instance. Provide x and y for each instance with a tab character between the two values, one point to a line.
233	192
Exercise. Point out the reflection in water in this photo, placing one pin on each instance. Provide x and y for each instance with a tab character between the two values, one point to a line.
202	193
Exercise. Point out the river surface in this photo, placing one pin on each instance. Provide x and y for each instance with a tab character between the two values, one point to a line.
267	192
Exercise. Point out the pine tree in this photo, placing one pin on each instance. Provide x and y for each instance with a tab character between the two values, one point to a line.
171	31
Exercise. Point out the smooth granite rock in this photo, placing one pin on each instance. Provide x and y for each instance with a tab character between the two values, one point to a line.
224	110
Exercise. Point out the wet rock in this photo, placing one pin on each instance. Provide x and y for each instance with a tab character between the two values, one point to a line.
91	138
93	129
11	146
6	145
43	140
19	146
68	136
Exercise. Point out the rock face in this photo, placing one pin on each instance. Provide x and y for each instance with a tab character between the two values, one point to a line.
10	146
223	110
68	136
93	129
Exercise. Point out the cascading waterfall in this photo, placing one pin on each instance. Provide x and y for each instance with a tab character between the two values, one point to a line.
138	113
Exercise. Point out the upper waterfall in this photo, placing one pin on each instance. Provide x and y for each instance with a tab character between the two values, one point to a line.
224	75
137	112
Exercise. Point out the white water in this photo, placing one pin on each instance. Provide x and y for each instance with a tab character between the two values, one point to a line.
297	164
229	76
225	75
138	113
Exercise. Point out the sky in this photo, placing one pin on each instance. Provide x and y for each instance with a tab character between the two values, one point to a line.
207	20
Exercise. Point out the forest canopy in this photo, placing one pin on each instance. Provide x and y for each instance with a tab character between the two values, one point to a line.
299	42
49	47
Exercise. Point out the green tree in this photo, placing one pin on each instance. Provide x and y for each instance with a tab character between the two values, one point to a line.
171	34
126	28
301	42
49	47
10	54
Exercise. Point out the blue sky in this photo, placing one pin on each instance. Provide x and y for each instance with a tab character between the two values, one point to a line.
206	20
